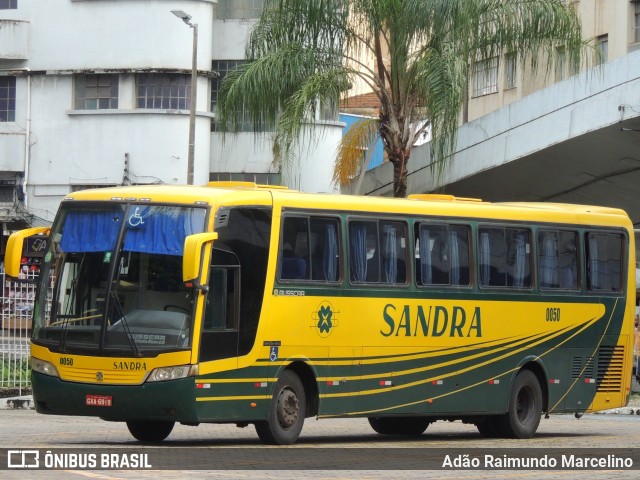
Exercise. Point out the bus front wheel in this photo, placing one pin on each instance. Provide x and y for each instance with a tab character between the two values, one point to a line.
150	431
525	407
286	412
408	426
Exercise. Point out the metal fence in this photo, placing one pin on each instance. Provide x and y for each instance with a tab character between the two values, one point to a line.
15	328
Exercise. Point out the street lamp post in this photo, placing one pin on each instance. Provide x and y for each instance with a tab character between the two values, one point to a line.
186	18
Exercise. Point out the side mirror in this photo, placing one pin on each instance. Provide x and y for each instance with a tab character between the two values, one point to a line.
15	246
192	258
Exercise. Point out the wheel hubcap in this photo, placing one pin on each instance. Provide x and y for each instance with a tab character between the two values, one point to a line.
288	408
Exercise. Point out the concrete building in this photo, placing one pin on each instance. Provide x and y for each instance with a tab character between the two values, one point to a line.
98	93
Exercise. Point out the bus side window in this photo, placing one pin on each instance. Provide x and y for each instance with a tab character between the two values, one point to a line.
442	255
493	256
604	261
325	249
505	257
393	242
378	252
518	267
557	259
294	251
363	251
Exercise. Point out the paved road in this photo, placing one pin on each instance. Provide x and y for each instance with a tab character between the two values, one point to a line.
326	440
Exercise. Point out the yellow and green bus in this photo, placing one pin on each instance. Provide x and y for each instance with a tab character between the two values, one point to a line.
247	304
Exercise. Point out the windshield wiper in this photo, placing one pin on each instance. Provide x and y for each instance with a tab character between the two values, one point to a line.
123	319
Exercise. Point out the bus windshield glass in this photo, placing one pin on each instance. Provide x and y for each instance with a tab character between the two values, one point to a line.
113	280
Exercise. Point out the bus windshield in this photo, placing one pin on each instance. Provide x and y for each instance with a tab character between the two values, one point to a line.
114	278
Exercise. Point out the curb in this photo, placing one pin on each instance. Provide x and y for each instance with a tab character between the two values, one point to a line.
621	411
17	403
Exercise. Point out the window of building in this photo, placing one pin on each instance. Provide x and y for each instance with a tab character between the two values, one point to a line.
222	67
378	252
96	91
259	178
636	23
485	79
510	70
228	9
77	187
7	99
603	48
442	255
8	4
604	261
558	259
310	249
504	257
560	64
171	91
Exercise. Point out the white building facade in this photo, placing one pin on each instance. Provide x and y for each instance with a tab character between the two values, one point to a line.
98	92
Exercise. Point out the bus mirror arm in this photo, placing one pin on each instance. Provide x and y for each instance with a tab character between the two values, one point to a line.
192	259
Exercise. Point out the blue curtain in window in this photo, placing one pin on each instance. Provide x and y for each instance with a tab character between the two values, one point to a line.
425	257
485	259
549	262
358	244
519	269
455	258
330	254
390	254
90	231
160	230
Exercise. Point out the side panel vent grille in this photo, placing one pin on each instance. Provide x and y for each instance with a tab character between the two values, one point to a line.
579	364
610	369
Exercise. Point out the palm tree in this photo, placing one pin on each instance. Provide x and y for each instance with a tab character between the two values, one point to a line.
415	55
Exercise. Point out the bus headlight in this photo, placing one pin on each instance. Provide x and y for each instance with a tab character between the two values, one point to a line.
43	367
172	373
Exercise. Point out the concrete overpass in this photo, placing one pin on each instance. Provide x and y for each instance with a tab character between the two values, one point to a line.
577	141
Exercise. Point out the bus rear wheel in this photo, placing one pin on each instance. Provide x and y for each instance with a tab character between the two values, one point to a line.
408	426
525	407
286	412
150	431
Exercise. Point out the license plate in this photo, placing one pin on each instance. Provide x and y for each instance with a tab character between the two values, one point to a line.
99	400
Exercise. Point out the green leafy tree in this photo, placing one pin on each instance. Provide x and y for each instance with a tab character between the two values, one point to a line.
415	55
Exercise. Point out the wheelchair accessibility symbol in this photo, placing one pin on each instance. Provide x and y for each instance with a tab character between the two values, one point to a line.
136	219
273	355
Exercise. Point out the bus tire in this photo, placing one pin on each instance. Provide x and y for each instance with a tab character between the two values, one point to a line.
286	412
408	426
525	407
150	431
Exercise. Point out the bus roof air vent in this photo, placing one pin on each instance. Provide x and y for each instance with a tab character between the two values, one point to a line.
232	184
441	197
238	184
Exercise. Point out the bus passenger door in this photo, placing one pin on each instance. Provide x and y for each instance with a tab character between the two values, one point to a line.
220	328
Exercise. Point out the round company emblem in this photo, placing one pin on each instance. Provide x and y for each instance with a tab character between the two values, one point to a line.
325	319
99	376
